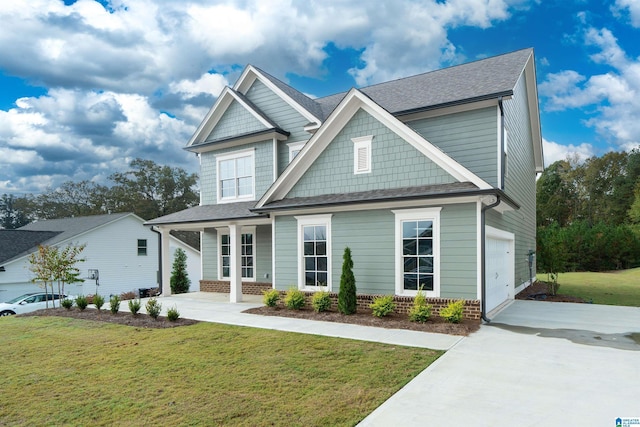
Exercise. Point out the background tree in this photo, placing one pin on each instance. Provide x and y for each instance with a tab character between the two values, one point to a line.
347	303
51	265
12	212
179	277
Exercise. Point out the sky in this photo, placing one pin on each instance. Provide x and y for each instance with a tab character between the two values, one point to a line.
87	86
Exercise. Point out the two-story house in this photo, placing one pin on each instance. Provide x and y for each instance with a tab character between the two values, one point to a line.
429	180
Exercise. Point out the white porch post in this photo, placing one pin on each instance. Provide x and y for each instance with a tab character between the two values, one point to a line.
235	274
166	262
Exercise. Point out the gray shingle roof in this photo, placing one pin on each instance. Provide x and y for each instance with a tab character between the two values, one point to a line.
406	193
222	212
490	77
17	243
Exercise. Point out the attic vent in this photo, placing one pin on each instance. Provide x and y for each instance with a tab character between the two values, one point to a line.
362	154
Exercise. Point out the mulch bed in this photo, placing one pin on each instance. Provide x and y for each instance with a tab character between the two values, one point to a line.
539	292
394	321
121	318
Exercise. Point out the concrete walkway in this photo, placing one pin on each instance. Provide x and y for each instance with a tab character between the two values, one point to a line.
211	307
536	364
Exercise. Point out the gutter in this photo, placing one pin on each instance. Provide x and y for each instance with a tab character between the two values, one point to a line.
483	281
503	156
159	274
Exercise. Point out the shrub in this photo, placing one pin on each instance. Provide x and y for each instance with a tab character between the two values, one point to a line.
114	304
270	298
98	300
173	314
321	301
453	311
81	302
134	306
67	303
421	311
179	280
294	299
127	295
153	308
347	303
383	306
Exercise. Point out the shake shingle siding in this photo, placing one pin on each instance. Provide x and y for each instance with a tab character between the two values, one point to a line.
286	256
519	182
236	120
395	163
469	137
209	254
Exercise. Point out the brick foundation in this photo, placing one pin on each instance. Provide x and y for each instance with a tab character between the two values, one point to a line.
222	287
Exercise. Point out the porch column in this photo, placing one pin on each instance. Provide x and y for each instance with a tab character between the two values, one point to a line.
166	262
235	274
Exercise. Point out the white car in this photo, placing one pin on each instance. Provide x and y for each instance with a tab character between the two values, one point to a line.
29	302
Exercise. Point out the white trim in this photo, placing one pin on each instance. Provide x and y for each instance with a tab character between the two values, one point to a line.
499	127
273	252
308	220
479	268
362	143
250	229
250	152
275	159
250	74
351	103
430	214
293	147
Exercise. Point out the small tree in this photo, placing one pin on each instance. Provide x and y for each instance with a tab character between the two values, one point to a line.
179	278
51	265
347	303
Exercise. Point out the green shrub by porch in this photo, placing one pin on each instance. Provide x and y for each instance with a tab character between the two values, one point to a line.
382	306
453	312
179	278
347	303
294	299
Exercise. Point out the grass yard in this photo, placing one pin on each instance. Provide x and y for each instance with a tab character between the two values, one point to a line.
611	288
64	371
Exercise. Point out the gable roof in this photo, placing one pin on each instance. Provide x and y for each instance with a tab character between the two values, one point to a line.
196	214
16	243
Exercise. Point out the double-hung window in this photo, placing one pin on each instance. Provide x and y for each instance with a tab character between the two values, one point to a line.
418	251
236	176
314	252
247	254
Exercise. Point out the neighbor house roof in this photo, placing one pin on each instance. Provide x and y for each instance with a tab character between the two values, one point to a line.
17	243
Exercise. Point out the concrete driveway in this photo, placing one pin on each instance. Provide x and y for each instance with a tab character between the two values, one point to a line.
536	364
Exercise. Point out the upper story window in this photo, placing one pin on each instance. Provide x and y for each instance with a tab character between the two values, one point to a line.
294	149
362	154
142	246
236	176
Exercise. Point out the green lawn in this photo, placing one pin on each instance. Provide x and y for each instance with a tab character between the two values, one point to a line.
62	371
611	288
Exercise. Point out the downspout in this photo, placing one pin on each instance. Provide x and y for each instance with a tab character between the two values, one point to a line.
483	280
502	153
159	274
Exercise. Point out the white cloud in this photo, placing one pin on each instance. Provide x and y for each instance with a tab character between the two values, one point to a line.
554	152
632	7
210	84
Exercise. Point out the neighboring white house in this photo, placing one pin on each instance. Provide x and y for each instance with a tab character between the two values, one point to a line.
122	250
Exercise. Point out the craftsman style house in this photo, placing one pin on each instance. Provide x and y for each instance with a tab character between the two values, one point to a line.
429	179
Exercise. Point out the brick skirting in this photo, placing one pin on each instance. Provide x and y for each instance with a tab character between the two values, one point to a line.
403	304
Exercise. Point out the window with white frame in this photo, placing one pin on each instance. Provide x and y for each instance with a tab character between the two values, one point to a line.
247	255
294	149
142	246
314	252
236	176
418	251
362	154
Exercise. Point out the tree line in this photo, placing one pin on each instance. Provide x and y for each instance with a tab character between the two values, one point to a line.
588	214
149	190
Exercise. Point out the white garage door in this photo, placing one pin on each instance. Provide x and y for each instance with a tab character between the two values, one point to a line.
499	279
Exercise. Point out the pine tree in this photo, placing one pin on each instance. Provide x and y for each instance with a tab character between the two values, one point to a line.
179	278
347	296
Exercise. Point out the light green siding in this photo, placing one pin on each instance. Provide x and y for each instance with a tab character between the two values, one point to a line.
520	182
209	254
470	138
263	170
458	251
283	114
263	253
236	120
394	163
371	237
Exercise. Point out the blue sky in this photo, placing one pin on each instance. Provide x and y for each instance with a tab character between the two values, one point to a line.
87	86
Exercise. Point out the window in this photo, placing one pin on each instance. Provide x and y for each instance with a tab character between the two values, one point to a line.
142	246
236	176
417	251
294	149
314	235
362	154
247	251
